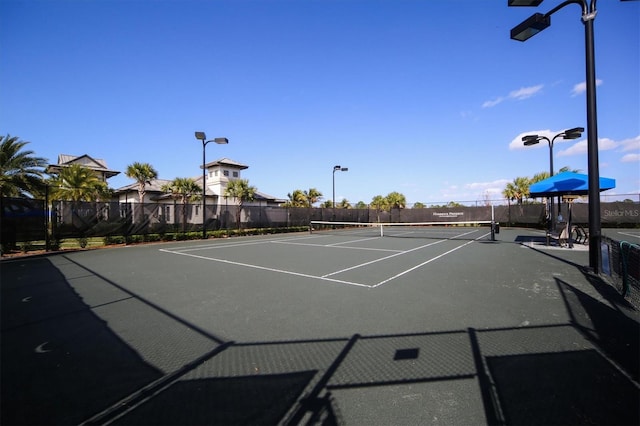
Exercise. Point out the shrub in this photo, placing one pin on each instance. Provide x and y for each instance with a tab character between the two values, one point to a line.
26	246
55	244
113	239
82	242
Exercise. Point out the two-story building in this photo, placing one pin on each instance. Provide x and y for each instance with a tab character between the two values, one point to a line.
158	206
219	207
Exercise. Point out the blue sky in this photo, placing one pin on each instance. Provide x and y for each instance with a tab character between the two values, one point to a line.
428	98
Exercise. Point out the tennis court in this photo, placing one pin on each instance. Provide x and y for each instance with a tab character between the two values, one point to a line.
444	327
358	257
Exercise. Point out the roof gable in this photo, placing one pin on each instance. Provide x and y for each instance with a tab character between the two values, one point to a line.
226	162
155	185
84	160
97	165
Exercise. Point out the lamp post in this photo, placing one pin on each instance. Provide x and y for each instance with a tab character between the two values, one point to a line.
529	140
221	141
336	169
532	26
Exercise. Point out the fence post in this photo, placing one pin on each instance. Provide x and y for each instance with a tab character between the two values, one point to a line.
47	241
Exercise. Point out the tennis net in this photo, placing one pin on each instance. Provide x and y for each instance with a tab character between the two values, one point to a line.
473	230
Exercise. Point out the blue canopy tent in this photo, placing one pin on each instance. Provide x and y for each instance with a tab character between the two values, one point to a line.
568	185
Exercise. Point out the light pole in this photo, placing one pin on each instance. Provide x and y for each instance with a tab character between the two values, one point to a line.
529	140
336	169
532	26
221	141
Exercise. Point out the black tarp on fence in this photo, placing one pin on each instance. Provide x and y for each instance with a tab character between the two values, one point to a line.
28	220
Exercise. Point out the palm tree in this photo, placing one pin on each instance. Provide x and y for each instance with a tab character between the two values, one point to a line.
517	190
183	189
509	192
540	176
19	169
296	199
419	205
344	204
312	196
379	203
241	191
396	200
143	174
522	185
361	205
78	183
568	169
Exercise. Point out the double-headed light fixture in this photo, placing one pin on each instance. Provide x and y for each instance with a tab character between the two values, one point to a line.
532	26
337	169
529	140
221	141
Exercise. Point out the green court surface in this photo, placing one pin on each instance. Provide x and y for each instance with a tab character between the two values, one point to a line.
319	329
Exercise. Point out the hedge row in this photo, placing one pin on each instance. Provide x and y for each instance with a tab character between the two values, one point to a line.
183	236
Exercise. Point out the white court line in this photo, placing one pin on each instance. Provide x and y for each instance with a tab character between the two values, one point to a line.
425	262
326	276
264	268
629	235
353	241
234	244
404	252
382	258
335	246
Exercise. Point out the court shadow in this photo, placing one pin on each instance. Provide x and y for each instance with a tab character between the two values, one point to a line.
63	364
531	239
248	400
612	330
578	387
528	240
60	362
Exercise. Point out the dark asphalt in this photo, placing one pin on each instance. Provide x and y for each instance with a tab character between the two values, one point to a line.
295	329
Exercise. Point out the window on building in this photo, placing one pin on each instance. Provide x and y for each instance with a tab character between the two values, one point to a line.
215	173
235	174
125	210
167	211
226	172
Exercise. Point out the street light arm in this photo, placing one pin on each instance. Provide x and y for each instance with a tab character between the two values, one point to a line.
582	3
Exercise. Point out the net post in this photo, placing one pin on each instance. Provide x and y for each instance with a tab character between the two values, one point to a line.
310	227
381	231
493	224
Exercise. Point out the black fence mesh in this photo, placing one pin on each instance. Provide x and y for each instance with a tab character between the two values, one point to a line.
22	219
621	261
28	219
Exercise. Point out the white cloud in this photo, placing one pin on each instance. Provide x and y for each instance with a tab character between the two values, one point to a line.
581	147
630	158
630	144
520	94
577	148
606	144
489	104
525	92
580	88
487	186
